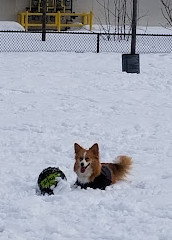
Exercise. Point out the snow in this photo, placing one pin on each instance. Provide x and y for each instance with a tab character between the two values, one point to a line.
140	29
15	26
49	101
10	26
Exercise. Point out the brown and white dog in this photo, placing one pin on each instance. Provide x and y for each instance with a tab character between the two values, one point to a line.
91	173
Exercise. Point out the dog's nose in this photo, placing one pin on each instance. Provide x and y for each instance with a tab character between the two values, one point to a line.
82	164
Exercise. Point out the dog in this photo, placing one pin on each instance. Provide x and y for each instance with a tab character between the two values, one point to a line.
91	173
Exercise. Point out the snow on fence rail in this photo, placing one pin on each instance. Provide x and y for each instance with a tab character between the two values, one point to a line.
18	41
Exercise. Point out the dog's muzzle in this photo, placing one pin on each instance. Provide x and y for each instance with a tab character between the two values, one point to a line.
83	168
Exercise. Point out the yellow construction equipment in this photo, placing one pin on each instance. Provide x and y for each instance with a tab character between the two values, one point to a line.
59	16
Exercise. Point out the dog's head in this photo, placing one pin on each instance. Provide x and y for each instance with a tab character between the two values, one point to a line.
87	165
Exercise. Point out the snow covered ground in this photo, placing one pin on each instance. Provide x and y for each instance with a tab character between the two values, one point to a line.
140	29
49	101
10	26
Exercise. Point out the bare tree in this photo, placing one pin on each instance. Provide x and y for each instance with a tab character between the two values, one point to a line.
167	11
116	16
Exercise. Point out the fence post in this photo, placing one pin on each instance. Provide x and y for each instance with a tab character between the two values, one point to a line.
23	20
91	20
98	42
85	19
58	21
26	21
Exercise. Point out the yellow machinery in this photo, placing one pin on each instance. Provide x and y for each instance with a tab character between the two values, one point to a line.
59	16
52	5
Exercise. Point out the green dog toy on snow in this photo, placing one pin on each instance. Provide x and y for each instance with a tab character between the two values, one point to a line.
48	180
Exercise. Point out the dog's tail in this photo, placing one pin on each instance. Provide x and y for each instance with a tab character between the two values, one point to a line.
120	168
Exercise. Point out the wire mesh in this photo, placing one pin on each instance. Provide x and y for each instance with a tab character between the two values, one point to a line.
83	42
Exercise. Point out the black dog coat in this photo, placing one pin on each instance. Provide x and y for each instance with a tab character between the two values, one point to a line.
101	181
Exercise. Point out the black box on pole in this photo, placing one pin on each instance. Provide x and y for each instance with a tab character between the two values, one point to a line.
130	63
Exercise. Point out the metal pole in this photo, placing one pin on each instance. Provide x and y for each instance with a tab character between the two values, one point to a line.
44	9
130	62
98	42
134	24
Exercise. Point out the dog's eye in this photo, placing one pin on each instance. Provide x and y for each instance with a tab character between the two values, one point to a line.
87	158
81	158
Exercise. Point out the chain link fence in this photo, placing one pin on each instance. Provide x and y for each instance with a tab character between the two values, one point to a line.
83	42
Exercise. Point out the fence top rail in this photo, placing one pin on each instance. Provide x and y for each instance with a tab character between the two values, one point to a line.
88	33
56	13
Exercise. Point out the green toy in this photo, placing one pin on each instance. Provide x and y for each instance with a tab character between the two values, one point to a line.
48	179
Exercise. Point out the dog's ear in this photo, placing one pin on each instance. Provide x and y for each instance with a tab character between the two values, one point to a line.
77	147
95	149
